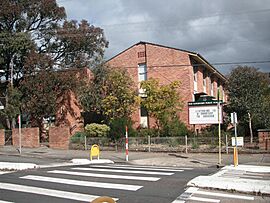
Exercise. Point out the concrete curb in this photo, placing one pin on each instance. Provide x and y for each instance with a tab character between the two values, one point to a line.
9	166
233	183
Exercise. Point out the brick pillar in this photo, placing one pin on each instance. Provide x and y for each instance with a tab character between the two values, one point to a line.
2	137
264	139
59	137
29	137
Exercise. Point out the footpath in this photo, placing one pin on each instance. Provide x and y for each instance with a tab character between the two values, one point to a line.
251	176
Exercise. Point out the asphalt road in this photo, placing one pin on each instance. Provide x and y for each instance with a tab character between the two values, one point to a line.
77	183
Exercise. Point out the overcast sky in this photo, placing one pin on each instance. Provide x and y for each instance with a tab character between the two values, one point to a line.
222	31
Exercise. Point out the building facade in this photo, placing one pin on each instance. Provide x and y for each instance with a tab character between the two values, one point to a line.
147	60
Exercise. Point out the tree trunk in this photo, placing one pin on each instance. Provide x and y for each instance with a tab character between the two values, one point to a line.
250	128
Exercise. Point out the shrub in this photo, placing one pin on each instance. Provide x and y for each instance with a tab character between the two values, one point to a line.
78	137
118	128
145	132
174	128
97	130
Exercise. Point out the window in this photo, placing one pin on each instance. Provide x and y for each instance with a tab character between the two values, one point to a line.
205	75
142	70
143	117
212	87
195	77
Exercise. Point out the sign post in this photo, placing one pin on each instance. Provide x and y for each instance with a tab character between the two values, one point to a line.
235	152
126	143
207	111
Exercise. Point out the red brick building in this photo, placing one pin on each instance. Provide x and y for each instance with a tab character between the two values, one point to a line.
147	60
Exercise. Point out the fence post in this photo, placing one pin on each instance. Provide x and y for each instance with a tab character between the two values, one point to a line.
85	144
149	143
186	143
226	140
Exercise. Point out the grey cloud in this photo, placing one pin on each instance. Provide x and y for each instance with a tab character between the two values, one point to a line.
221	31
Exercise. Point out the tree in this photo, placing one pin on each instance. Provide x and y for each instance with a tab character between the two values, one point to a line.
248	89
110	93
38	29
161	102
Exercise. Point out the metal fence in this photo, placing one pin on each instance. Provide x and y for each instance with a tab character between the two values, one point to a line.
163	144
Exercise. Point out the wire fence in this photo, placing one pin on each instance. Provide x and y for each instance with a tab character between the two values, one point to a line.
163	144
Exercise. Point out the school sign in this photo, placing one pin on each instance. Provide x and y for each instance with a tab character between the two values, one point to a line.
205	111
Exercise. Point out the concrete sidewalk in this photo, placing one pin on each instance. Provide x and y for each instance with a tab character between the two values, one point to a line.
194	160
242	178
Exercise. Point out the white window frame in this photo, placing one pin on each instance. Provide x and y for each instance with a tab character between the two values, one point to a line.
142	72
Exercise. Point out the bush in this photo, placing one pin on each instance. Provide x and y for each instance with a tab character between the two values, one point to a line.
174	128
97	130
118	128
78	137
145	132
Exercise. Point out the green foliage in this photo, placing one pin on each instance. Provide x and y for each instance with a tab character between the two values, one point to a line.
118	128
174	127
12	108
78	137
162	102
145	132
111	94
38	41
97	130
248	90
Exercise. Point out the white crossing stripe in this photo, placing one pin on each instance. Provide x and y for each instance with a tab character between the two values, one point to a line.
155	167
49	192
138	168
224	195
204	199
124	171
83	183
2	201
104	175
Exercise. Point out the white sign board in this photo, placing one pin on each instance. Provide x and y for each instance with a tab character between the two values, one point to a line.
207	114
240	141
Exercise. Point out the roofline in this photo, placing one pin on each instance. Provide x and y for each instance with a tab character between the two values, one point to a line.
159	45
210	66
189	52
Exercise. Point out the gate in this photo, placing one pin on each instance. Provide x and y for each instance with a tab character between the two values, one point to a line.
8	137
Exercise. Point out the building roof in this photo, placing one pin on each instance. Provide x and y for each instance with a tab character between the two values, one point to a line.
196	56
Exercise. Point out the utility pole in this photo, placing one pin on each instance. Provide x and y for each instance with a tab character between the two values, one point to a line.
219	132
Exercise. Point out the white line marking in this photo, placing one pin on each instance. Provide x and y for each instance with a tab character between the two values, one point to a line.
204	199
178	201
48	192
138	168
124	171
105	175
156	167
83	183
186	195
224	195
2	201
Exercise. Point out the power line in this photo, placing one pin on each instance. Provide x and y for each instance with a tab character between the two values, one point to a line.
203	64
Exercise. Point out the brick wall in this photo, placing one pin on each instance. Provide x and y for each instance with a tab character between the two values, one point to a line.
59	137
264	139
2	137
29	137
165	64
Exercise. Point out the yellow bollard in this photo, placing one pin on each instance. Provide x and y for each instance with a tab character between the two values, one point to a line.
235	157
103	200
94	152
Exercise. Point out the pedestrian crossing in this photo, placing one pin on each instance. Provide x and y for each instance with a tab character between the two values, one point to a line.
86	183
194	194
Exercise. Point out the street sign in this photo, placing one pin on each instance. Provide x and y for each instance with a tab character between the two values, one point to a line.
240	141
234	118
